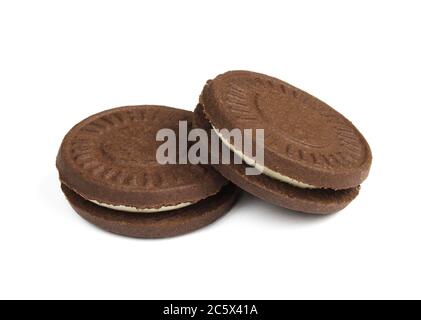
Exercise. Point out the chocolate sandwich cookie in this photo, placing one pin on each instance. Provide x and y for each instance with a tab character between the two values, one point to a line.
314	158
111	177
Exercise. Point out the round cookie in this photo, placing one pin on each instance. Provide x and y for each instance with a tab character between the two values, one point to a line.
306	141
107	165
314	158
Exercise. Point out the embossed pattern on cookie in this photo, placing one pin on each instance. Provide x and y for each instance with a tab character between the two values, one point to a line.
302	133
116	150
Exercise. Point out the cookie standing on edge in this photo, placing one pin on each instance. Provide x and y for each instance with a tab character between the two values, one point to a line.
109	173
315	159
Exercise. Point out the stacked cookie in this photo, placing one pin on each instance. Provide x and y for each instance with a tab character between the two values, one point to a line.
314	159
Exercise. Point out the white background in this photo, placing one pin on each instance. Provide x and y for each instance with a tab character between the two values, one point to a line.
61	61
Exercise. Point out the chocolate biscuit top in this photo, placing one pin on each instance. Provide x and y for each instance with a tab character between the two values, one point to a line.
305	139
111	158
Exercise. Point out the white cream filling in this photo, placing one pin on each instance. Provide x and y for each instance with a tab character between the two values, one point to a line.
265	170
146	210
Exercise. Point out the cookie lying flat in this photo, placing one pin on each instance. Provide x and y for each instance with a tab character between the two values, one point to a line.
107	165
314	158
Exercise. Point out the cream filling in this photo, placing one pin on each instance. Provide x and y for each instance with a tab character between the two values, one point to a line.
146	210
265	170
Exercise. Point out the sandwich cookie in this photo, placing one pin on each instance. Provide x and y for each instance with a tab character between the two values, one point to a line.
111	177
314	158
